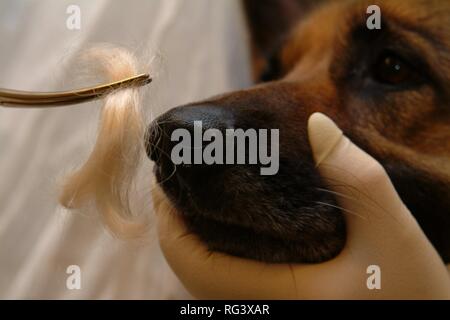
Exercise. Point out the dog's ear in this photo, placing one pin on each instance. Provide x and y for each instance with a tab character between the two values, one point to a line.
269	21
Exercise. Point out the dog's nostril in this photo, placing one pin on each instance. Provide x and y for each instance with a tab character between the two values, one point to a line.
159	142
153	141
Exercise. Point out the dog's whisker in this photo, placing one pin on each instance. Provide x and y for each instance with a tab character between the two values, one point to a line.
340	194
365	193
341	208
170	175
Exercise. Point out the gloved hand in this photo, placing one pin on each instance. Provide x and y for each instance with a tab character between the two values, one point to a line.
380	231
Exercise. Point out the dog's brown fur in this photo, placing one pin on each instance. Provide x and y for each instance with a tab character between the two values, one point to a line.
325	63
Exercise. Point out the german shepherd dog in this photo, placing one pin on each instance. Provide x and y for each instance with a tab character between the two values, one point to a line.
388	89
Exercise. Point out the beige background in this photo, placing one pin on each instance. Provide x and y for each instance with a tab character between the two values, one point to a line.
202	46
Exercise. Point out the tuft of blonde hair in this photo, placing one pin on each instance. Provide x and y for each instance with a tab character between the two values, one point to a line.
106	177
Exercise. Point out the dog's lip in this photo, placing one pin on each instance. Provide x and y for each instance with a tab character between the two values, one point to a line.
190	212
192	219
196	213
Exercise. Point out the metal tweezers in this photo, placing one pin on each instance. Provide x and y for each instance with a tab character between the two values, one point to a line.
25	99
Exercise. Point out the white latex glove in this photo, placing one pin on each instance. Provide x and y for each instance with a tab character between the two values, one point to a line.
380	231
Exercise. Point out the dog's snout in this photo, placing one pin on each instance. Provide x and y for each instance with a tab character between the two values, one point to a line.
159	135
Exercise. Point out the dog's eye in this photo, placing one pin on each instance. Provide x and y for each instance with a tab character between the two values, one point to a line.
391	69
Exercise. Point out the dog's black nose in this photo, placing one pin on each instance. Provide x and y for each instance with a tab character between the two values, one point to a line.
159	142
